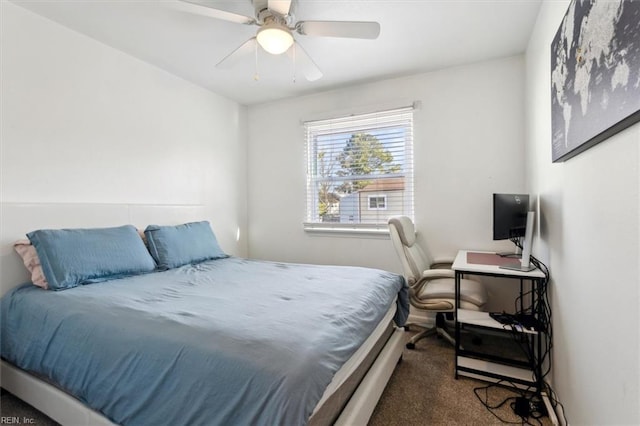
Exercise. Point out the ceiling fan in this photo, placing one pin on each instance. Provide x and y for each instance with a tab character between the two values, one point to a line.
277	26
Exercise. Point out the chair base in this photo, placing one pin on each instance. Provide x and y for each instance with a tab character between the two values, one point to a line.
439	330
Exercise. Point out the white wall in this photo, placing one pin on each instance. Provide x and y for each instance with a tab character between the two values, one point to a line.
84	123
469	143
590	238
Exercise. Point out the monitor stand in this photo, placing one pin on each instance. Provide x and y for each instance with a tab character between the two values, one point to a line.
517	254
517	267
510	254
525	263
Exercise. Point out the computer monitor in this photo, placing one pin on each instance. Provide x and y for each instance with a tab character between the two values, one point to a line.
510	216
513	221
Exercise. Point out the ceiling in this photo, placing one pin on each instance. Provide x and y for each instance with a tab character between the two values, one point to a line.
416	36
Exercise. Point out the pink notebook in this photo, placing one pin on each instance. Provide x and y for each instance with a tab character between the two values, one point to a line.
490	259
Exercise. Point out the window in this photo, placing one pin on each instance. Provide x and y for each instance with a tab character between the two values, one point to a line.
359	170
377	202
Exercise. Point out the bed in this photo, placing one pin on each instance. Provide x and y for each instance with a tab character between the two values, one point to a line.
224	340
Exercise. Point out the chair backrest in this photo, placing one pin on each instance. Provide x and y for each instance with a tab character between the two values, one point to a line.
403	236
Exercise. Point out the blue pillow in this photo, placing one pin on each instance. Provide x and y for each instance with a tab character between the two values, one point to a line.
70	257
189	243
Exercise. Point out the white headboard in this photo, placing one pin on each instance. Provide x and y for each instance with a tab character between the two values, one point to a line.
16	219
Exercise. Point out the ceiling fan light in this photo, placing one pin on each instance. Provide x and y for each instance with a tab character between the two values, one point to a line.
275	39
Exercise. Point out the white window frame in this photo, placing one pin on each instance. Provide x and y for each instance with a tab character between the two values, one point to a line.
363	123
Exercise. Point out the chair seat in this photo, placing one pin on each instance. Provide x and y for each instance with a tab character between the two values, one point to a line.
444	288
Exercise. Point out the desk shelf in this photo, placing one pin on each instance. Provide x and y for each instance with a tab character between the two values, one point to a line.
482	319
495	372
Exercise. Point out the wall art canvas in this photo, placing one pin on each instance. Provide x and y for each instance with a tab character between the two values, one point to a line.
595	74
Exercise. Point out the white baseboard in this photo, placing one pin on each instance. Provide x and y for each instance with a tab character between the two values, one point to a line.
550	410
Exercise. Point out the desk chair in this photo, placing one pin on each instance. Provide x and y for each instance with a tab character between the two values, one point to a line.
431	282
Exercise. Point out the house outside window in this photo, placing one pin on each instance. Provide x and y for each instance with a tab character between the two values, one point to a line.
359	170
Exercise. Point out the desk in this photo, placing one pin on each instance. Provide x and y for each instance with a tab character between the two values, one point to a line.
526	374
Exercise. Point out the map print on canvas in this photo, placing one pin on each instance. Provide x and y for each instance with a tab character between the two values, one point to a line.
595	74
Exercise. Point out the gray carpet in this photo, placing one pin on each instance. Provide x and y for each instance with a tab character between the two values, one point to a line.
422	391
15	411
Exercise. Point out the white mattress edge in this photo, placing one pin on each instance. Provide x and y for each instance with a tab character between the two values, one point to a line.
358	356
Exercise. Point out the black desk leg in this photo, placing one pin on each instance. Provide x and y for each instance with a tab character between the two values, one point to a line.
539	294
458	276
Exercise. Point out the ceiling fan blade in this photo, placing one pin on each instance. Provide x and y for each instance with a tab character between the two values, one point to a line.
200	9
303	62
283	7
350	29
247	48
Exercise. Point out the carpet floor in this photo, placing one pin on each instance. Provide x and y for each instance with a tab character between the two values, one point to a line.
422	391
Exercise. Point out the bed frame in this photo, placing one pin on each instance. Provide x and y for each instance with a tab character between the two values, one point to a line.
17	219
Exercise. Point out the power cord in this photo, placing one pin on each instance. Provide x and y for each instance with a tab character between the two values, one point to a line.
529	408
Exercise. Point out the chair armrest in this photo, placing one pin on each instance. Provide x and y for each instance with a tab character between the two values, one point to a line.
442	263
437	273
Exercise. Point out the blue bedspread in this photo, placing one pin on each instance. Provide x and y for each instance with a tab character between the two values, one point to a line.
225	342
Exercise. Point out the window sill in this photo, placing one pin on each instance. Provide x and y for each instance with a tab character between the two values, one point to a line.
346	229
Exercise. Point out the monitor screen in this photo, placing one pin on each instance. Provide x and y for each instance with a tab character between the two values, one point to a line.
509	215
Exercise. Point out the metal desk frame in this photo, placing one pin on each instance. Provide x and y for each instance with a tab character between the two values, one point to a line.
521	374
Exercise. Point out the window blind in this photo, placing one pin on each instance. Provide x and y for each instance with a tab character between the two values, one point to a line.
359	170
